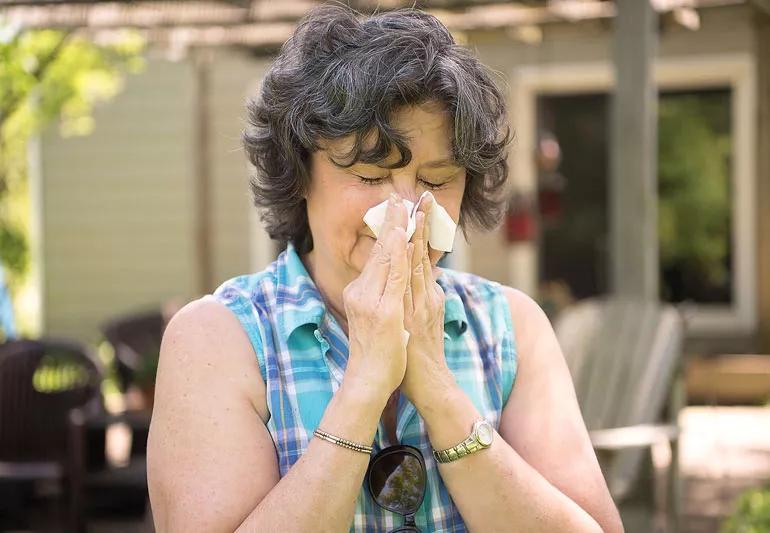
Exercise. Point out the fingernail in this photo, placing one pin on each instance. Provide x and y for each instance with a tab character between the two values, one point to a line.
393	198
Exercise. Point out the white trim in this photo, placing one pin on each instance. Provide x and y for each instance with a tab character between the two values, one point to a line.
738	71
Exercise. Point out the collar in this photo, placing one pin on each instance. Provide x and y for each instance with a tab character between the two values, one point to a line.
301	302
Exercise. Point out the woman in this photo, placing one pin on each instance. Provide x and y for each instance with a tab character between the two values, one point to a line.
291	399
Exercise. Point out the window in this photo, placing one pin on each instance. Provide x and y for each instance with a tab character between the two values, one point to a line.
694	151
706	148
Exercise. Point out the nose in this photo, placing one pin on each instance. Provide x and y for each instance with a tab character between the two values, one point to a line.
407	192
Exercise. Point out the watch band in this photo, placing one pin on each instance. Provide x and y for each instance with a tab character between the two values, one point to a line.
466	447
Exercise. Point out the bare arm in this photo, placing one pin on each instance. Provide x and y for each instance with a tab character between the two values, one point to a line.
541	473
212	464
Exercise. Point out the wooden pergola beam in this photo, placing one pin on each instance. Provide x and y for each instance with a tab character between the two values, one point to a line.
43	3
482	15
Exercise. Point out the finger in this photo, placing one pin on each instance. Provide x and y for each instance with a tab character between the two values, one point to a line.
425	255
426	205
398	274
416	266
376	269
392	218
408	302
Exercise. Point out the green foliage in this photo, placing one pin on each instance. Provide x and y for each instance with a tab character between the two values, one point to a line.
694	209
58	375
752	512
46	76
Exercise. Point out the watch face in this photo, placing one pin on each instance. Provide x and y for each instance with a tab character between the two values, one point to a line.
485	433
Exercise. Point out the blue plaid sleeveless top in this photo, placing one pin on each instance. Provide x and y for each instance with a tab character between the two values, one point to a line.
302	354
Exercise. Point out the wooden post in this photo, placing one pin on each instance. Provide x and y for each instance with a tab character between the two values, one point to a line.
634	263
763	176
201	58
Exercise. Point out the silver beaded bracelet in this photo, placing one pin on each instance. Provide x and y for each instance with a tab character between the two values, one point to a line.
345	443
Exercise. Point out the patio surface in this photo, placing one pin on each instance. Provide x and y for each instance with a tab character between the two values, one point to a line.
725	450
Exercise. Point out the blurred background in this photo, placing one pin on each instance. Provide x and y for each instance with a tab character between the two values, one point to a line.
638	218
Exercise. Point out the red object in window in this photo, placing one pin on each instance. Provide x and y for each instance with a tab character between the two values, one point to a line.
550	204
519	225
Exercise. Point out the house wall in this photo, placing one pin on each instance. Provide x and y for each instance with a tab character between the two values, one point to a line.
118	207
234	76
723	32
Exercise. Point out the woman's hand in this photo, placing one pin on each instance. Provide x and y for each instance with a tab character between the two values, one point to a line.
375	311
426	371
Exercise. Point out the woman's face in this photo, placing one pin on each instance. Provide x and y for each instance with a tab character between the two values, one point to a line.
338	198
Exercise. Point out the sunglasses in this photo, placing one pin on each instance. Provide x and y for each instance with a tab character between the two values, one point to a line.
396	481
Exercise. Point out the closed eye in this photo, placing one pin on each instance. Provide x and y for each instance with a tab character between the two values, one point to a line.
377	181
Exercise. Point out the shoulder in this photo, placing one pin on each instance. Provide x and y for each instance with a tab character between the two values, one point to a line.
205	445
525	313
532	324
475	286
524	309
205	342
247	287
524	318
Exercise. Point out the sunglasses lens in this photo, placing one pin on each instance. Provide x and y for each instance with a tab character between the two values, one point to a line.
397	482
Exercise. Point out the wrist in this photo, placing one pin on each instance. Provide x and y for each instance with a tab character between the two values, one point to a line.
436	389
449	417
363	394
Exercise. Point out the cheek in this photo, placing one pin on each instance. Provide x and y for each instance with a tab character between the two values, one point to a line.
451	200
342	210
352	204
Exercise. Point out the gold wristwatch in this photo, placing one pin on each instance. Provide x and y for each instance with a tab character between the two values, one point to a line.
481	437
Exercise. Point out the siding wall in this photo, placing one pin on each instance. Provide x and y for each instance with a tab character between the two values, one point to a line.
119	206
234	76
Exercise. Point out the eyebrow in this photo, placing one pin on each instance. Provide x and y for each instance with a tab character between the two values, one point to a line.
437	163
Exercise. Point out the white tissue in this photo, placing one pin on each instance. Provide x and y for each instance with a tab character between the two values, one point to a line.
442	227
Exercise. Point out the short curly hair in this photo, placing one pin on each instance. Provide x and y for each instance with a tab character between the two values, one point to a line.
343	73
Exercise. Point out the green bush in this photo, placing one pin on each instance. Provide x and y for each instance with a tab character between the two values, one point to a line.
752	512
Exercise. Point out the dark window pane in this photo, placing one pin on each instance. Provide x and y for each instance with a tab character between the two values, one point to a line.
694	144
573	245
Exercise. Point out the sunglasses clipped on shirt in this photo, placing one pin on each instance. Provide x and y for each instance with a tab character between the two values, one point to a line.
396	479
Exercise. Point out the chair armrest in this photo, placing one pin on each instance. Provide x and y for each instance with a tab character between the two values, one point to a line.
30	470
639	436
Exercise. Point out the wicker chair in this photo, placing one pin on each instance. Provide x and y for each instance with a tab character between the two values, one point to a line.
41	382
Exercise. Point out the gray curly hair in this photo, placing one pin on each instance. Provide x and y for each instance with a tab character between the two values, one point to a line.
342	73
